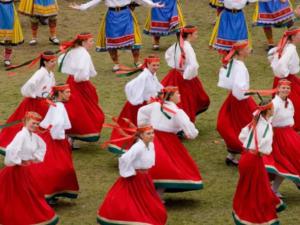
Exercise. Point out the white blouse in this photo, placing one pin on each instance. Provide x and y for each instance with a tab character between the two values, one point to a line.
264	136
179	121
142	88
116	3
282	116
57	118
236	4
191	66
39	85
24	147
288	62
78	63
139	156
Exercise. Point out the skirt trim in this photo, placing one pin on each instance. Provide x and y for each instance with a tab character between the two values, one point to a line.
178	185
239	221
2	151
86	137
105	221
53	221
114	149
273	170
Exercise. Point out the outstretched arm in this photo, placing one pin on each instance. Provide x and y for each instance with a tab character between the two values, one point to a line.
84	6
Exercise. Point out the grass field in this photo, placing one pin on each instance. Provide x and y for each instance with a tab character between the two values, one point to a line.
97	169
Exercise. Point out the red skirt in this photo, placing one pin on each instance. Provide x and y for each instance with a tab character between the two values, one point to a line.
56	175
132	200
84	112
294	96
254	201
285	157
21	201
28	104
174	169
233	116
130	112
194	99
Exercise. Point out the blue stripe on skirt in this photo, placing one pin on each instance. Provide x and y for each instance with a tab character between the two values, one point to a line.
44	2
232	28
6	16
119	29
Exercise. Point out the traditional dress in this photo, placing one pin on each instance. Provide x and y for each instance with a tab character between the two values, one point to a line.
231	26
21	200
56	175
236	111
194	99
285	157
83	107
133	199
273	13
174	169
119	27
164	21
35	90
216	3
287	66
138	92
254	201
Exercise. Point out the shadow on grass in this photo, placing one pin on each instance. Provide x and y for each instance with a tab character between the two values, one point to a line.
181	203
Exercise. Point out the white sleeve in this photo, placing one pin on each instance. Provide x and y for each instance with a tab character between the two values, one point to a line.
29	88
12	150
48	119
192	66
40	152
186	125
244	134
281	69
126	166
134	90
89	4
148	3
240	84
144	114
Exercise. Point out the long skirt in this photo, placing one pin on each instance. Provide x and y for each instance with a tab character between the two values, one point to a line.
119	29
294	96
132	200
164	21
22	202
130	112
85	114
56	175
193	97
254	201
174	169
28	104
233	116
10	27
285	157
44	8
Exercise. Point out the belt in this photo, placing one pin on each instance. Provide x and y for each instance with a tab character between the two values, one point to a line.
117	9
233	10
6	2
141	170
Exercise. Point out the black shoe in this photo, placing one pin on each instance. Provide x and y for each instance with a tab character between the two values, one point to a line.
269	48
231	162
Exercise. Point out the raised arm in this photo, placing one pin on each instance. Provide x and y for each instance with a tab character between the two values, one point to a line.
85	6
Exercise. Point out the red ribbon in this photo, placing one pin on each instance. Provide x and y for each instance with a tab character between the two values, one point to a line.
284	39
237	46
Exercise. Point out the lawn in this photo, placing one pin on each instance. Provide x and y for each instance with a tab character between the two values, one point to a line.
97	168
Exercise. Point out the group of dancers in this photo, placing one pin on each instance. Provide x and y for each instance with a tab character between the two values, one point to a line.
38	138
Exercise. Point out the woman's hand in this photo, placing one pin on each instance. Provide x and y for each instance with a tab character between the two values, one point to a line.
74	5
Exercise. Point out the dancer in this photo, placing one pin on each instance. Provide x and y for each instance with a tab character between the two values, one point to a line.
254	201
138	91
10	30
182	59
284	161
164	21
119	28
133	199
21	200
83	106
284	61
273	13
236	111
40	10
35	92
174	169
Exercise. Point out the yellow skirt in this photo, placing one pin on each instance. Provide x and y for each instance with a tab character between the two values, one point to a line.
101	37
15	36
215	3
28	7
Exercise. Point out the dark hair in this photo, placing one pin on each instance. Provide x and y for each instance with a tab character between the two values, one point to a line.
262	113
184	35
42	61
56	93
79	42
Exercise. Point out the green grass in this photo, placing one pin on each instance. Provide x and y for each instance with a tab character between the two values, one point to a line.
97	169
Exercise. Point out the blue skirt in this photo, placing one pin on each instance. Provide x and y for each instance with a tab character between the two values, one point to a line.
273	13
7	17
230	28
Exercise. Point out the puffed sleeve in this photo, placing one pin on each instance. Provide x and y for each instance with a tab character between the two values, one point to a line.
126	166
40	152
89	4
84	68
12	150
170	56
29	88
244	134
49	118
186	125
240	83
135	88
144	114
281	68
192	66
266	141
